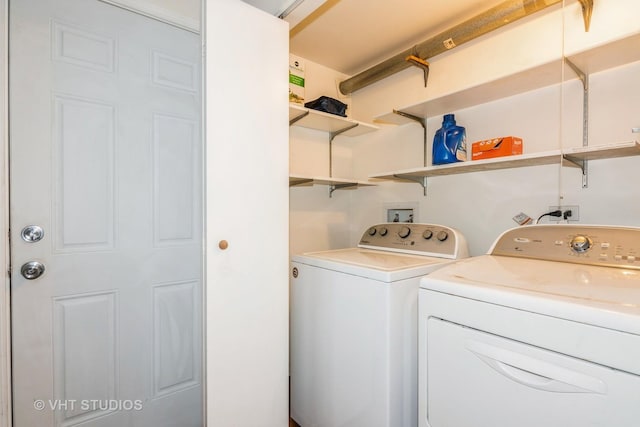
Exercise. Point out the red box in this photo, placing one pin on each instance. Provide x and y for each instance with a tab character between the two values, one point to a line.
496	147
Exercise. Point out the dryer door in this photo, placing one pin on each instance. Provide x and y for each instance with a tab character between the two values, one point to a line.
479	379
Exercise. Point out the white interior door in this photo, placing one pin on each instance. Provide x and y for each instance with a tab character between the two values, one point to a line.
247	177
105	142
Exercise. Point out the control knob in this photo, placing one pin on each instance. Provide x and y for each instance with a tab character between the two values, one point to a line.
442	235
427	234
371	231
581	243
383	231
404	232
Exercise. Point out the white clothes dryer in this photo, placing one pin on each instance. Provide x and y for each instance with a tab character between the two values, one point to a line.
542	331
354	326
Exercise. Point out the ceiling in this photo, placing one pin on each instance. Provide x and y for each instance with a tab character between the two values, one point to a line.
350	36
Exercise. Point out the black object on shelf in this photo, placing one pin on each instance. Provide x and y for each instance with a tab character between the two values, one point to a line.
328	105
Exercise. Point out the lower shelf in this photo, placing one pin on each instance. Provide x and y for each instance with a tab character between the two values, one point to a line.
333	183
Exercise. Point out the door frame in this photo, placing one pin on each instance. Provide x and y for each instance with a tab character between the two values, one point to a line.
5	303
135	6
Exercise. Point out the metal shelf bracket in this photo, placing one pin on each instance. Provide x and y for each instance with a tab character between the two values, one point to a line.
578	162
332	135
587	11
296	118
335	187
422	180
584	78
423	123
343	130
415	60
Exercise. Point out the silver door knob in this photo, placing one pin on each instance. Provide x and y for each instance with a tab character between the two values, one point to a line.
32	270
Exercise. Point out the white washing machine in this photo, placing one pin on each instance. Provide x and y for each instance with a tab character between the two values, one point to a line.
542	331
354	326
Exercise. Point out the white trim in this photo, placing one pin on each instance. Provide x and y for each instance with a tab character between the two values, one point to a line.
301	11
5	313
158	13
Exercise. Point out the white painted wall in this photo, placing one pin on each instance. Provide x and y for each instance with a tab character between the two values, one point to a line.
482	204
318	222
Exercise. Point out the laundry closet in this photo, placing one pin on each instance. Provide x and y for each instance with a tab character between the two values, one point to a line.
561	84
511	81
214	304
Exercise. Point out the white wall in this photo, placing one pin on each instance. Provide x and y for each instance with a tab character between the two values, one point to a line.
482	204
612	196
318	222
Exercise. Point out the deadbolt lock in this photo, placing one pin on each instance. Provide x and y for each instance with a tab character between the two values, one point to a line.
32	233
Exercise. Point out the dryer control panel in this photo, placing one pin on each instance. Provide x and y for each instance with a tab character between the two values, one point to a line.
606	246
416	238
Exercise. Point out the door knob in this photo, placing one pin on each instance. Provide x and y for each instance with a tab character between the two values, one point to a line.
32	270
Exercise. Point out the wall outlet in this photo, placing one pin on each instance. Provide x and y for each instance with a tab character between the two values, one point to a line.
400	215
575	213
401	212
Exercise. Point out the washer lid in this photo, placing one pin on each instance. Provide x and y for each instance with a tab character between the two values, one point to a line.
602	296
378	265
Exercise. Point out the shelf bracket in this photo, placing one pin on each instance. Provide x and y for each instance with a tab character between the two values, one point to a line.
587	11
575	161
582	164
296	118
584	78
332	135
581	75
415	60
422	180
335	187
343	130
423	123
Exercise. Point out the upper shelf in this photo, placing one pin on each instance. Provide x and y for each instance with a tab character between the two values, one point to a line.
545	158
570	157
603	57
609	151
318	120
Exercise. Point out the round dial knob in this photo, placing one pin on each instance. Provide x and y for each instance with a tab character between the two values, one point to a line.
371	231
442	235
581	243
383	231
404	232
427	234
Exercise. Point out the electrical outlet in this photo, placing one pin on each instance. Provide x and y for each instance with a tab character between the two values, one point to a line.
575	213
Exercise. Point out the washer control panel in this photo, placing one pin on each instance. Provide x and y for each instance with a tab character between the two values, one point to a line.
421	239
607	246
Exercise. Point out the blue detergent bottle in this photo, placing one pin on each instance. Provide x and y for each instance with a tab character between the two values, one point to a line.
449	142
